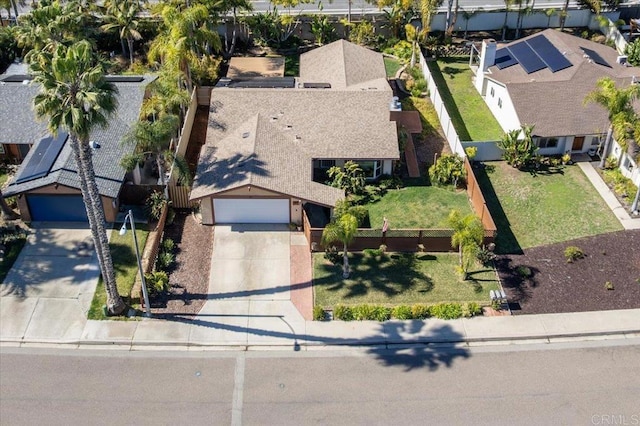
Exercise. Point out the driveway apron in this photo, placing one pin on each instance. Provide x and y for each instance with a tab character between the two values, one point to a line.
48	291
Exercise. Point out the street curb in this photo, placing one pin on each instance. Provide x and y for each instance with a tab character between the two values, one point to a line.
354	343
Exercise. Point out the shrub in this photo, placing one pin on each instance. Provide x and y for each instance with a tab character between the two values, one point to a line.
420	311
318	313
447	170
344	313
524	271
611	163
168	245
363	312
157	282
471	309
332	255
402	312
485	256
573	253
446	310
471	152
165	260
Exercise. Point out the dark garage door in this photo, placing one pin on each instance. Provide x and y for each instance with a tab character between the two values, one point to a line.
57	208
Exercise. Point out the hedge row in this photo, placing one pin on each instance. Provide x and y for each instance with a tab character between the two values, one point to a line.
402	312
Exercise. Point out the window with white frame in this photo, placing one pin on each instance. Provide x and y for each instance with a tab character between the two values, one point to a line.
371	169
547	142
493	92
499	102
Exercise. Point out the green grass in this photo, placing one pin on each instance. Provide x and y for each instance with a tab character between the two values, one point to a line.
125	263
292	66
12	250
471	117
546	208
392	66
428	116
399	278
418	207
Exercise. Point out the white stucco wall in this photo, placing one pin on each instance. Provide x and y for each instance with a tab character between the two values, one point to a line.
506	113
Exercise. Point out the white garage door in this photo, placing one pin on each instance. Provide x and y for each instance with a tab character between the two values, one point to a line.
251	210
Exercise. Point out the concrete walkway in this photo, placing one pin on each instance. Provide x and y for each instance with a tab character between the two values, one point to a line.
609	197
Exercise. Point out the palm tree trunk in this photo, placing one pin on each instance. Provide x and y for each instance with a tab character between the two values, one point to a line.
14	3
605	149
345	263
122	46
130	43
95	214
7	212
563	16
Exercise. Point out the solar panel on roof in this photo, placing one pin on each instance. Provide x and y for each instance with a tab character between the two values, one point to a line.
549	54
504	59
45	154
526	57
264	82
595	57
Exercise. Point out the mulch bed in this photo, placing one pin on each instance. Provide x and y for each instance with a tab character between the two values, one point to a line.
189	278
558	286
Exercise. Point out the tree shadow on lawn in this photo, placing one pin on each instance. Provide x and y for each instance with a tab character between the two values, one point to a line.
506	241
477	282
391	275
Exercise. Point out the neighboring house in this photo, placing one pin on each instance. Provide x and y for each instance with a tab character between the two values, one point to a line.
268	137
47	185
542	80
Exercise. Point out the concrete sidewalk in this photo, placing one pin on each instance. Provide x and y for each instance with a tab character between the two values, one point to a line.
238	325
609	197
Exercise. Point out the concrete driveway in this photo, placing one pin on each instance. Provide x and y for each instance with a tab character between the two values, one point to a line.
49	289
249	287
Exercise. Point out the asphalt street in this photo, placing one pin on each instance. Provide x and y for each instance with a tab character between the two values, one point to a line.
580	383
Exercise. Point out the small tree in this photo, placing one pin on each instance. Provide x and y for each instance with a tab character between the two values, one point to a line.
519	152
467	237
341	229
448	169
633	52
350	178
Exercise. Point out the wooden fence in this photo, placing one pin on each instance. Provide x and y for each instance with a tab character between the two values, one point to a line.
479	204
179	196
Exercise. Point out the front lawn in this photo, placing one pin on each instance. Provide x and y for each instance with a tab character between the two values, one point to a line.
471	117
537	209
418	207
399	278
125	263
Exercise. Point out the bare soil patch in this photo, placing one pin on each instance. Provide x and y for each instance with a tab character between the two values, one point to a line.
558	286
189	278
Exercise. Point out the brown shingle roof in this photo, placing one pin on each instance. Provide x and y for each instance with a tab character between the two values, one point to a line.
554	102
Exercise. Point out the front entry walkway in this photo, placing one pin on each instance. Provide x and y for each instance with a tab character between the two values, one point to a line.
249	287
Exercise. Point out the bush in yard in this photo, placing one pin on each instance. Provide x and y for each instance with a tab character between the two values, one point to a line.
155	203
342	312
446	310
318	313
517	152
363	312
165	260
157	282
448	169
524	271
420	311
573	253
332	255
402	312
168	245
350	178
485	256
471	309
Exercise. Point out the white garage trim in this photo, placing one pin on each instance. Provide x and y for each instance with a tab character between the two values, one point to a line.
254	210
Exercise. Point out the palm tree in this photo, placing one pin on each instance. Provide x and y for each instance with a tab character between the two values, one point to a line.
122	15
507	4
467	15
549	12
75	96
619	105
427	9
185	39
563	14
467	237
342	229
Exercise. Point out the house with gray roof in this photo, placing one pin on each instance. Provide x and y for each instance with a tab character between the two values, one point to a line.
543	79
267	138
47	183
